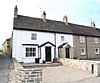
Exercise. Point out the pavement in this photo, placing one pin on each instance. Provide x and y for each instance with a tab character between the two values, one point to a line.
4	68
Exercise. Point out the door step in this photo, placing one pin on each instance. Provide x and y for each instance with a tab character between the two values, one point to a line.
25	65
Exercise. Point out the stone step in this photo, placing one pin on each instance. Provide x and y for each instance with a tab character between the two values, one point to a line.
27	65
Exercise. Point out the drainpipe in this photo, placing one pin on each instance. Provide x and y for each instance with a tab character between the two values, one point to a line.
55	45
86	48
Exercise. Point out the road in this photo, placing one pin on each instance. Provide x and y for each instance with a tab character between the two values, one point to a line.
4	68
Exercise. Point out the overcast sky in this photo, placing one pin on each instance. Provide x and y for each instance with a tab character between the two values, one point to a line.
78	11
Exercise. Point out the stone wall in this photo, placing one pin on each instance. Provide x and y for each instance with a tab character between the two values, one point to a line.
87	65
23	75
29	76
90	48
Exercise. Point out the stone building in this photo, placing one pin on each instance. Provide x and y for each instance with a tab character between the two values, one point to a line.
6	46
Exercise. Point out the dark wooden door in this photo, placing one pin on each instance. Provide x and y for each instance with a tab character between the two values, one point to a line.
48	53
67	53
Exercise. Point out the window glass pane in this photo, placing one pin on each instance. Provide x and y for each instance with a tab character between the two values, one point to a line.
30	49
82	50
34	49
34	54
33	34
97	51
26	54
27	49
31	54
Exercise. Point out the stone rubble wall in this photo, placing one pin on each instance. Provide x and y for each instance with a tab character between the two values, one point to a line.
23	75
83	65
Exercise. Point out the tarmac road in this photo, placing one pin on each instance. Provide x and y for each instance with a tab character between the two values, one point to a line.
4	69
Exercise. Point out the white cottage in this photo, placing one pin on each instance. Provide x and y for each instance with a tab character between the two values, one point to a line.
36	39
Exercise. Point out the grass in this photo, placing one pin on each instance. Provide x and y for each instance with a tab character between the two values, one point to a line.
1	53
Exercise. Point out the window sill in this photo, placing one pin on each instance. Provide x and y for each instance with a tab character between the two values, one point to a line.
82	42
97	54
83	55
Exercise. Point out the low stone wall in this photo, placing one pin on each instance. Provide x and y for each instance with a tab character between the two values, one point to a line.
87	65
29	76
23	75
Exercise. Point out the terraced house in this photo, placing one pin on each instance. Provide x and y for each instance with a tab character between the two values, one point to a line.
41	39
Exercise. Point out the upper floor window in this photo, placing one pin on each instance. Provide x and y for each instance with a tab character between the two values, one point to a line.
82	39
95	40
82	50
96	50
33	36
62	38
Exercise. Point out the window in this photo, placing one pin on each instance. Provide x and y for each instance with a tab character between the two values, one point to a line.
62	38
82	39
95	40
96	50
33	36
30	52
82	51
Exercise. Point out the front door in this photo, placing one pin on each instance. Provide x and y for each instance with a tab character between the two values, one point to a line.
48	53
67	53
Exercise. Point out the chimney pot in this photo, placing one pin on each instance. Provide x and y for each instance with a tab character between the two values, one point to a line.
15	11
93	24
65	19
44	16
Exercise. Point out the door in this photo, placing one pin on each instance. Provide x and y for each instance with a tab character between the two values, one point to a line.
67	53
48	53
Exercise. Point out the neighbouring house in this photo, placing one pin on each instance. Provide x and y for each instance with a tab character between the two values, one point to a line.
6	46
41	39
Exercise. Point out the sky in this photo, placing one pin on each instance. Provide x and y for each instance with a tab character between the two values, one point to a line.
78	12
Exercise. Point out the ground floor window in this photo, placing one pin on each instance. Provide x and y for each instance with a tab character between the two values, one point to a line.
82	50
30	51
96	50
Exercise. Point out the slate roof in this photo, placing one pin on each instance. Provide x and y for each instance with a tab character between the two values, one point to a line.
37	24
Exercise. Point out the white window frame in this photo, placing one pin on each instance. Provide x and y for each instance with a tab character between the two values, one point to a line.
82	39
96	40
98	52
29	46
33	36
83	53
62	38
33	50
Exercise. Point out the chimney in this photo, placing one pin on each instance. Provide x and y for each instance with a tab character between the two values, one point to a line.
15	11
65	19
44	16
93	24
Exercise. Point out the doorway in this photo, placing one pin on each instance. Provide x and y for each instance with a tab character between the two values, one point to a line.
48	54
67	53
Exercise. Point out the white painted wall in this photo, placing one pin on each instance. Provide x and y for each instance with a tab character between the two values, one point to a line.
24	37
68	38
